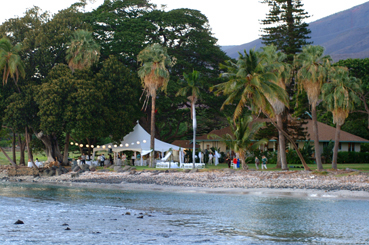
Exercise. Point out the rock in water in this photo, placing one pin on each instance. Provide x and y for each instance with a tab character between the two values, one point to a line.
67	229
128	213
140	217
65	224
19	222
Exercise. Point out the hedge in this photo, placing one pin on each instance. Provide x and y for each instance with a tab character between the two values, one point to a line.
353	157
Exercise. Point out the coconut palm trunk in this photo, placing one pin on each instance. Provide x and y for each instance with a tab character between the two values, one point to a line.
152	130
242	155
282	144
336	144
194	125
318	158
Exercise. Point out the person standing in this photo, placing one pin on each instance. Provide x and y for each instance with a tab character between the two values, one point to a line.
111	159
102	160
228	160
83	158
257	162
264	160
133	158
210	158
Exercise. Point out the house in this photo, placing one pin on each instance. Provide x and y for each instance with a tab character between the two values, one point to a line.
348	142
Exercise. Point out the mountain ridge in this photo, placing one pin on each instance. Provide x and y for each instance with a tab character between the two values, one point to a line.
344	34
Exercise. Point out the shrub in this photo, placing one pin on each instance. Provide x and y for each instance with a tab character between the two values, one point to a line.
353	157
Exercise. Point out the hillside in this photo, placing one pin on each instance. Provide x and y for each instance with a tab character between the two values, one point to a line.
343	35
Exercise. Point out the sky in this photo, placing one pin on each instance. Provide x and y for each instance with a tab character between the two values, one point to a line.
233	22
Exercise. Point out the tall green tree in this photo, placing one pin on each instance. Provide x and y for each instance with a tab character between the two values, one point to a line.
192	90
253	85
275	62
312	74
154	74
285	27
340	96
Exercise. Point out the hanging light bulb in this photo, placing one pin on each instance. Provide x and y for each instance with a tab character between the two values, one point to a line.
127	145
92	146
121	145
87	146
138	142
98	146
115	145
76	143
103	146
71	143
144	141
81	145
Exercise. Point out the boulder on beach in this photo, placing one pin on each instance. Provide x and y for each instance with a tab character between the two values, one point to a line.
19	222
76	169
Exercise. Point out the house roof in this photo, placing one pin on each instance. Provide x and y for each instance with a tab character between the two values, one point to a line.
326	133
184	144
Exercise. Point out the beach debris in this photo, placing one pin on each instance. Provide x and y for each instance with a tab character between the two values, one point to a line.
19	222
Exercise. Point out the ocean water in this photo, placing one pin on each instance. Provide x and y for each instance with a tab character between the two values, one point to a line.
98	216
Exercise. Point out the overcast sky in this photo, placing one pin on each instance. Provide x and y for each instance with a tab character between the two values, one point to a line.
233	22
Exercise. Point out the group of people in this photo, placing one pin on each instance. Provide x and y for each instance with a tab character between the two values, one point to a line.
37	163
232	158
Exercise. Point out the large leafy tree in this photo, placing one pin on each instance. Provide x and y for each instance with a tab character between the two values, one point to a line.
340	96
313	73
154	74
284	26
192	90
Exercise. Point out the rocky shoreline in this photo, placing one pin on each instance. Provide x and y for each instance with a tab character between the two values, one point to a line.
349	180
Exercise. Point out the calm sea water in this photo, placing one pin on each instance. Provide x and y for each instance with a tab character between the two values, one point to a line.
95	216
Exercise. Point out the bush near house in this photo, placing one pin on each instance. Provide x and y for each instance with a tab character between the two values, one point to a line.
353	157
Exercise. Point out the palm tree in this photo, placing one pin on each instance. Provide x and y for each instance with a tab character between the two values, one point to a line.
242	141
10	61
83	51
313	72
191	87
340	97
275	62
11	65
154	74
252	83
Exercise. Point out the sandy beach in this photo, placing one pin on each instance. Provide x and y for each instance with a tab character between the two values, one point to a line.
341	184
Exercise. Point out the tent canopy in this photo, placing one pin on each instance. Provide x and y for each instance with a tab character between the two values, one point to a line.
137	140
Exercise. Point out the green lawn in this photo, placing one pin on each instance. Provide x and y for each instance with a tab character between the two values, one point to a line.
271	167
41	157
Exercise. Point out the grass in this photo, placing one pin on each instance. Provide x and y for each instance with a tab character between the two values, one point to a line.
364	167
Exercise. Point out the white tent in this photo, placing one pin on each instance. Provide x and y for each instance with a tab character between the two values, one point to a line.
139	141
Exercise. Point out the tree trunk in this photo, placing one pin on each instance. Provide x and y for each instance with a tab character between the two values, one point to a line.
318	157
22	148
51	146
66	148
152	138
282	144
9	159
336	144
13	148
292	142
242	156
194	125
30	156
279	165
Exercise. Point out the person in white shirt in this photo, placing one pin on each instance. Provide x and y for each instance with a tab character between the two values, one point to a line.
102	160
37	163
